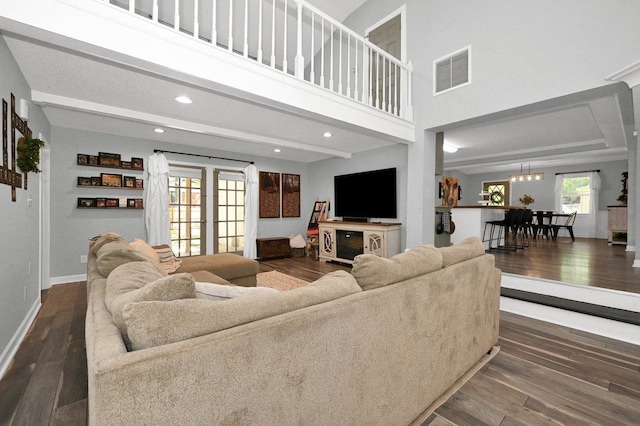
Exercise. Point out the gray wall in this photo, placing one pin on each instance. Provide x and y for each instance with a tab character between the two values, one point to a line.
19	236
72	227
321	173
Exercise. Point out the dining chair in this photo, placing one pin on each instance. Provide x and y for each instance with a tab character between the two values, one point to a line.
568	225
499	231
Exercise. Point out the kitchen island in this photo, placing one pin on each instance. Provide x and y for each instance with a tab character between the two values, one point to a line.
470	221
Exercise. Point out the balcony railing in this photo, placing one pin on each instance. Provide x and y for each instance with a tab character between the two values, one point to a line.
293	37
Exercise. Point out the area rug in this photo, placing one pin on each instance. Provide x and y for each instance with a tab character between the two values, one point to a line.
279	281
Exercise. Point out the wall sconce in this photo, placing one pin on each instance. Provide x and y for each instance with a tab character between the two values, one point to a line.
24	109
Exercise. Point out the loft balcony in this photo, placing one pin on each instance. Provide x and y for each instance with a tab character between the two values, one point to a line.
263	73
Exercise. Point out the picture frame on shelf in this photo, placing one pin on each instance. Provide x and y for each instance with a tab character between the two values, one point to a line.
137	163
95	181
93	160
125	164
111	179
139	184
101	202
138	203
84	181
112	202
131	203
109	160
83	159
129	182
86	202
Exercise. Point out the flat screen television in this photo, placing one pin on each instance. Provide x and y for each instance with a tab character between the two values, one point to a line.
366	195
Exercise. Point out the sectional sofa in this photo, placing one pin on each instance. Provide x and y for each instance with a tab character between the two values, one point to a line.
382	345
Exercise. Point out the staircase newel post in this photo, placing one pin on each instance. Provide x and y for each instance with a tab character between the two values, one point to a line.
299	62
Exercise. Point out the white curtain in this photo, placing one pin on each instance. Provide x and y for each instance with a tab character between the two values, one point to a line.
157	201
251	211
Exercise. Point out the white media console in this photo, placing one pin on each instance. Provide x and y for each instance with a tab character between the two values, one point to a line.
342	241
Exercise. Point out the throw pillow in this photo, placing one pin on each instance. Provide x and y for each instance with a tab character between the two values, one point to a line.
372	271
297	241
211	291
143	247
178	286
466	249
168	260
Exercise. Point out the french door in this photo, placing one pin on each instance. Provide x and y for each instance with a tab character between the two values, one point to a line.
229	208
187	210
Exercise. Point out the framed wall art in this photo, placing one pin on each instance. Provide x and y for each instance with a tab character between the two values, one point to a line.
110	179
290	195
269	194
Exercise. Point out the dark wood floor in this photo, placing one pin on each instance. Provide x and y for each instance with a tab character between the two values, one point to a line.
586	261
543	374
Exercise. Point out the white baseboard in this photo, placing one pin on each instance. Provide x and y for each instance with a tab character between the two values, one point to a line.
68	279
9	352
630	248
636	263
595	325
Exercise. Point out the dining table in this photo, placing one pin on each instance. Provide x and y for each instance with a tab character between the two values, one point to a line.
544	219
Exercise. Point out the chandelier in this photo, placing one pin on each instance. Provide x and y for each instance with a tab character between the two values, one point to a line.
522	177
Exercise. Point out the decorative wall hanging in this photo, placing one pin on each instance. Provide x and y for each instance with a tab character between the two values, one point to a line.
290	195
449	191
269	183
8	172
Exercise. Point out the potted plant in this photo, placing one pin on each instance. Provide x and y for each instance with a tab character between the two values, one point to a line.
28	157
526	199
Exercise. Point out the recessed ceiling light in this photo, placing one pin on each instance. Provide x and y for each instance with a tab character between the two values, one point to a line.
327	134
184	99
277	150
158	130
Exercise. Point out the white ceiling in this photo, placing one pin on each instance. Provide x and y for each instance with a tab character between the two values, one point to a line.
581	128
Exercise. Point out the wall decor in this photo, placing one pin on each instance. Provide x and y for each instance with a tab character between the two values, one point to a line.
290	195
129	182
84	181
137	163
9	174
110	179
109	160
86	202
269	184
139	184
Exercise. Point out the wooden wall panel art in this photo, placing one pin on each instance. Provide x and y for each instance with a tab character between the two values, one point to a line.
9	174
290	195
269	184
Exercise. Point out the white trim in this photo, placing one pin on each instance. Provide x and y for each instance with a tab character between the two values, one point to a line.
636	263
595	325
630	248
468	49
10	350
402	11
45	220
68	279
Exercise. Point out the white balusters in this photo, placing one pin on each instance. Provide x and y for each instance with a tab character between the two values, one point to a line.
245	44
230	39
323	45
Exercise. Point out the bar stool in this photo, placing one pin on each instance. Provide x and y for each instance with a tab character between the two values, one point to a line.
502	227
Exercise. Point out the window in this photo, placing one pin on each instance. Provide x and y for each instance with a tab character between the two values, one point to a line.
229	208
452	71
576	194
186	211
497	193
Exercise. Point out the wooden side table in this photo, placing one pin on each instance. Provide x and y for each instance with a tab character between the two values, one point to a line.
272	247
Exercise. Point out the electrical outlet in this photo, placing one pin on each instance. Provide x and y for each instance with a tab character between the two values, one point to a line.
83	258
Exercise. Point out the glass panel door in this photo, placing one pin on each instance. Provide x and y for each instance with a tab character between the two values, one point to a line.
186	211
229	212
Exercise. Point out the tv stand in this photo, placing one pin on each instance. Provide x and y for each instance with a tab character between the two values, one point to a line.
342	241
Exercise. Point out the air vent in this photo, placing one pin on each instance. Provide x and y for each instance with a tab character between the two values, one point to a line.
452	71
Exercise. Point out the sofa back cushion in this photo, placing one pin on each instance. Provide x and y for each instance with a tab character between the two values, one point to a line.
98	241
157	323
143	247
466	249
372	271
142	281
116	253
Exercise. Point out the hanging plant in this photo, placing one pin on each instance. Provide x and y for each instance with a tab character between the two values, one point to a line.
29	154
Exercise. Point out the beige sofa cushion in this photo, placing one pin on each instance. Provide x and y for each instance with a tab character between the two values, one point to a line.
466	249
141	281
207	277
98	241
211	291
157	323
114	254
372	271
142	246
